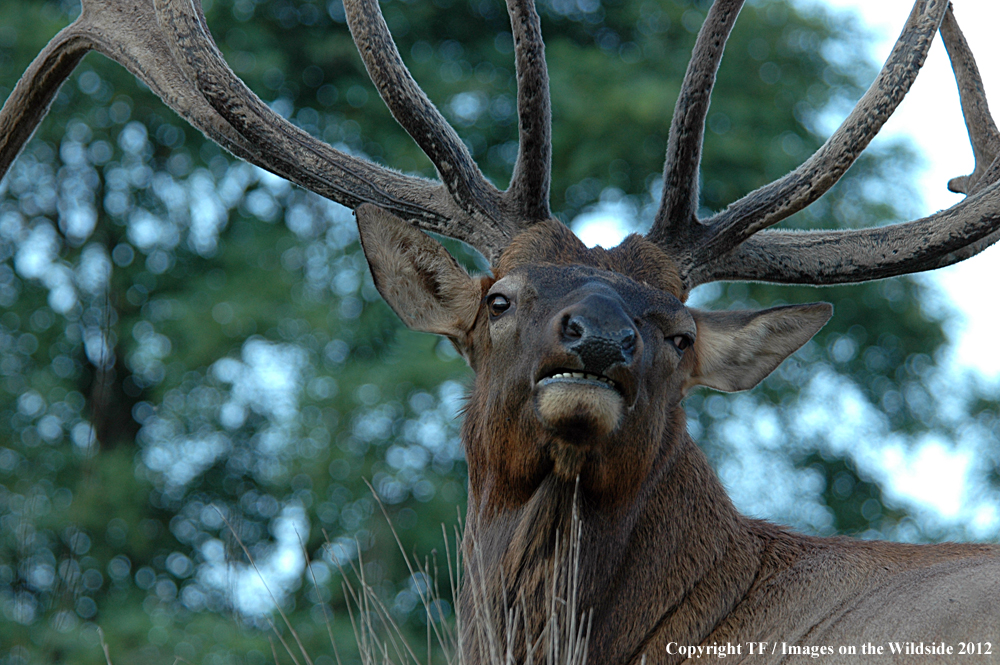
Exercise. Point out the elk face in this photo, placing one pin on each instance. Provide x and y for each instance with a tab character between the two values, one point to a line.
581	362
575	332
590	345
591	352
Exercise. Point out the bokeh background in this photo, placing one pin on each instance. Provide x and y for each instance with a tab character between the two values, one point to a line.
193	355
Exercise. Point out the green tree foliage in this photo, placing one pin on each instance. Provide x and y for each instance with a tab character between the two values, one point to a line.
193	356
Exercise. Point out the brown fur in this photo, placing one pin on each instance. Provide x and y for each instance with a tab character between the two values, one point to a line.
551	242
664	556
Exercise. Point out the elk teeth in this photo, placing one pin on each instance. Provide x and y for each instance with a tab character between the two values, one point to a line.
583	375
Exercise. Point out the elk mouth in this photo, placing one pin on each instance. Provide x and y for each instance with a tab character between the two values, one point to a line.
617	378
581	378
580	403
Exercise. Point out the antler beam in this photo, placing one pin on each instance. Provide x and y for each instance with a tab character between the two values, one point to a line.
273	142
294	154
167	45
859	255
33	94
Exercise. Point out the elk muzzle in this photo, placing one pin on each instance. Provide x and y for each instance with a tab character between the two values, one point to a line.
586	381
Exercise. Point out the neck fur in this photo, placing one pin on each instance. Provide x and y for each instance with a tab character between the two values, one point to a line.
679	545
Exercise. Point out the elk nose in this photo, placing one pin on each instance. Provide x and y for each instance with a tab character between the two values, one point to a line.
599	337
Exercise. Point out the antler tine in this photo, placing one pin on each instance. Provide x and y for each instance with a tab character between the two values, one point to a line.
983	134
860	255
291	152
28	104
677	216
528	193
418	116
796	190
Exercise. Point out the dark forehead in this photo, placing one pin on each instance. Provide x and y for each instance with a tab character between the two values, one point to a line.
549	251
554	283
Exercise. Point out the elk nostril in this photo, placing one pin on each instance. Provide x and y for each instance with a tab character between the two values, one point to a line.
573	327
628	342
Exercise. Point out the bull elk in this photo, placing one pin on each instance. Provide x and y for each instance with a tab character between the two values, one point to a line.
583	356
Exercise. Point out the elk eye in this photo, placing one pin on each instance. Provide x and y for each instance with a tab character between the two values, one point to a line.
681	341
497	304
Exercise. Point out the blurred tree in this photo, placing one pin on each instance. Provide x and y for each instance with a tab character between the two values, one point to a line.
193	356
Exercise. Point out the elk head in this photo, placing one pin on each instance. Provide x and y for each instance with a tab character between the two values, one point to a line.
581	355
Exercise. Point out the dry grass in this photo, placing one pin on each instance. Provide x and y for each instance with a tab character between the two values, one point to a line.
562	639
380	640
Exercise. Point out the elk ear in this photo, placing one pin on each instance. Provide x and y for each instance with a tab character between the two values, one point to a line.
419	279
735	350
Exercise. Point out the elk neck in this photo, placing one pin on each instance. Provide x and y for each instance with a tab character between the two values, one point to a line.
673	538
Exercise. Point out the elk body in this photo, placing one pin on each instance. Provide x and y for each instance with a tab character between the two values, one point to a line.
582	356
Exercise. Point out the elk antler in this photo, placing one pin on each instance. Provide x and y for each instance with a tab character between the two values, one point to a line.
33	94
527	199
528	194
166	44
415	112
983	133
725	247
677	216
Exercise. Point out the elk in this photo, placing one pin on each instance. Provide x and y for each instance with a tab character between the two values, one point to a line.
582	356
